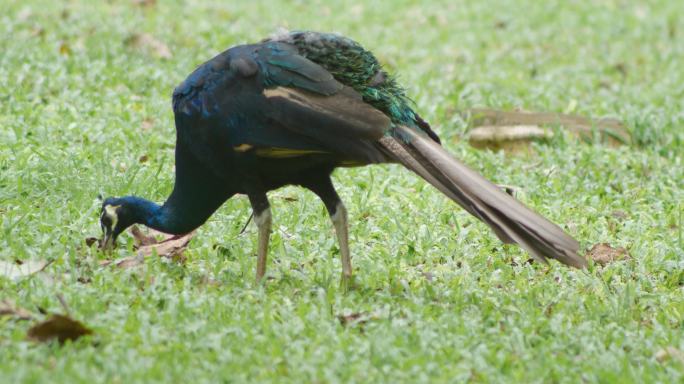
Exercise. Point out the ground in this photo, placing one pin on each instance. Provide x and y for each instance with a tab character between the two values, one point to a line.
85	110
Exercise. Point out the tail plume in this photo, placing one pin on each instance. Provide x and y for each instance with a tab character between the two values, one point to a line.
512	221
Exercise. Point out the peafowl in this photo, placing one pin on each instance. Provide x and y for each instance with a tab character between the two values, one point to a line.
288	111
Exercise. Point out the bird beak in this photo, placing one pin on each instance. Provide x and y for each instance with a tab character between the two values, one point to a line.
108	240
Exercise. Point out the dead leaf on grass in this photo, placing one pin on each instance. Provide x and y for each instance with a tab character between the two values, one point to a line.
64	48
514	130
92	240
149	244
150	44
669	353
618	214
142	239
104	263
356	319
15	270
8	308
129	262
146	124
604	254
124	262
172	246
58	327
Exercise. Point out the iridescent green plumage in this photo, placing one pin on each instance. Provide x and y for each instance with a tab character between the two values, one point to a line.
354	66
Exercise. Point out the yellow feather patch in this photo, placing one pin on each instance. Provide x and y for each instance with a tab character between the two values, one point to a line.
351	163
243	148
283	153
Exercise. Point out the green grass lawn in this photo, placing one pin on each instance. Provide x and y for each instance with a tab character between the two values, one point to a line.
440	298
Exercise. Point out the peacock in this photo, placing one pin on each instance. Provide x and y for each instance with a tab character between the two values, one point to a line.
291	109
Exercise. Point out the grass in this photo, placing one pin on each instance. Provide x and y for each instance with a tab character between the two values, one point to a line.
442	300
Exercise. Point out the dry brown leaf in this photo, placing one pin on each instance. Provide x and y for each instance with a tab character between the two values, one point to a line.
618	214
353	318
8	308
64	48
513	130
17	270
148	244
58	327
146	124
603	254
142	239
129	262
104	263
668	353
359	319
501	133
150	44
92	240
171	246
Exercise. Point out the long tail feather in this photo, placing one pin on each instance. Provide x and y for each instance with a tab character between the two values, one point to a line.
511	220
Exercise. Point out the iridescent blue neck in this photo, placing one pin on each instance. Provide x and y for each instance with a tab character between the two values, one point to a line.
168	218
197	193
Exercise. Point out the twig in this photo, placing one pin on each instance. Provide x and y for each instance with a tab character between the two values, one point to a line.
246	224
63	302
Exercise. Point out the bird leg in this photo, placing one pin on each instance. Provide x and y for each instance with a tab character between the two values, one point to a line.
339	220
338	215
262	218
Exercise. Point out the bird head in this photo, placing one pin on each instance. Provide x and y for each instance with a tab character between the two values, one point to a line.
117	214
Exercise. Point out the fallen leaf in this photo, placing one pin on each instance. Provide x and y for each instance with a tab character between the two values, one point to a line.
58	327
105	263
353	318
8	308
92	240
142	239
64	48
148	244
146	124
510	137
19	269
129	262
143	159
514	130
124	262
668	353
500	24
149	43
171	246
619	214
356	319
603	254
